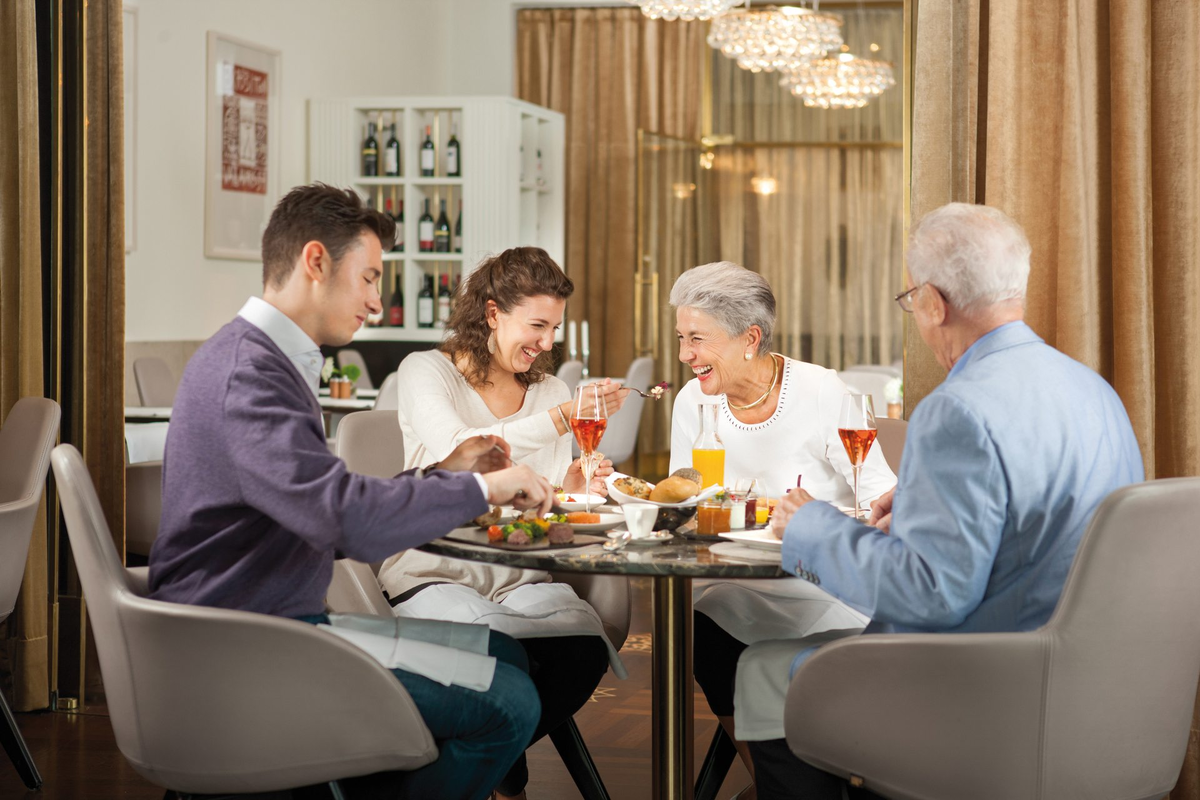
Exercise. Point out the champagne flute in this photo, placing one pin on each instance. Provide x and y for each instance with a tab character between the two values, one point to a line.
856	428
589	418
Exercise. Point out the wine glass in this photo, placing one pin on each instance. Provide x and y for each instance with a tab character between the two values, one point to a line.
856	428
589	418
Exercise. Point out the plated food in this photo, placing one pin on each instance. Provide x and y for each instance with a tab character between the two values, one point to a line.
681	490
532	530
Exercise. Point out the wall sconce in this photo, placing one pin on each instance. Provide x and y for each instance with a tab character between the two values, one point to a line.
764	186
706	159
683	190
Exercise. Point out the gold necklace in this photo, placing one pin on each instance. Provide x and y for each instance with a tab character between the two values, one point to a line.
766	394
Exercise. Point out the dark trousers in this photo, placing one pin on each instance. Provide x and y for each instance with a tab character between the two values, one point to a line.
780	775
714	662
565	671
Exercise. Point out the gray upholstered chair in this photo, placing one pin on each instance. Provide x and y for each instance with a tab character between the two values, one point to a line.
870	382
570	373
370	443
155	384
143	505
25	442
1095	704
891	440
305	707
347	356
387	399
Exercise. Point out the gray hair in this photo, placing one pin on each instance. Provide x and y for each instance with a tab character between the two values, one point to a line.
737	298
976	255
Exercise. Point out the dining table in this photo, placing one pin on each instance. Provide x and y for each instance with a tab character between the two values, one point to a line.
672	565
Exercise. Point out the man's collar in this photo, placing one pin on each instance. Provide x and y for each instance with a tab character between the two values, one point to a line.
278	326
1010	334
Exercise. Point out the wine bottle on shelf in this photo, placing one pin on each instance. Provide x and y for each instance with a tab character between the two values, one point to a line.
443	302
390	208
370	153
396	306
428	153
399	248
453	159
441	232
425	304
391	154
425	230
522	160
541	177
458	229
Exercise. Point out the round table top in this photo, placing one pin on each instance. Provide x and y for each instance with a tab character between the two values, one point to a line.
679	557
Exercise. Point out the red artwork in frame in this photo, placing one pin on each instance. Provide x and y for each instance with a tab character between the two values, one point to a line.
244	131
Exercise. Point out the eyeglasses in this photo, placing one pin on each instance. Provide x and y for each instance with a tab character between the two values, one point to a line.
904	299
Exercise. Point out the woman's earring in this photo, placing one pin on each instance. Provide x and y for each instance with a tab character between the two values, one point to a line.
491	343
749	356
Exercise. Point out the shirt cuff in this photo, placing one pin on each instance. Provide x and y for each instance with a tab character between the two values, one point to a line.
483	487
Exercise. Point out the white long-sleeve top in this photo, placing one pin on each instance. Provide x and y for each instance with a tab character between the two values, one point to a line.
439	410
800	438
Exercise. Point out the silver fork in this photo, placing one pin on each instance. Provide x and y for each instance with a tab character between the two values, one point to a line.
655	393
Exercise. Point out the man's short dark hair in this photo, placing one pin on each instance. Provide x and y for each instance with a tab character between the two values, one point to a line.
334	217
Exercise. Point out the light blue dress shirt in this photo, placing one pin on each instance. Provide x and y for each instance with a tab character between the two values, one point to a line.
1004	465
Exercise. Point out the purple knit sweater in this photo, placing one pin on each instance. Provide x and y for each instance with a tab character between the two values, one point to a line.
255	505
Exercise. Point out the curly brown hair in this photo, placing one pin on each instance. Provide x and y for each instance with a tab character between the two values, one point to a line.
507	279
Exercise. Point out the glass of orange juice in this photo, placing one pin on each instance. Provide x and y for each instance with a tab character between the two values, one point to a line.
708	452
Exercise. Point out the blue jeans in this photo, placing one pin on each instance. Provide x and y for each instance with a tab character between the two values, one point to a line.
479	734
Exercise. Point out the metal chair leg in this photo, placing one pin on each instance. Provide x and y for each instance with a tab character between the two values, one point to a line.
574	753
18	753
717	762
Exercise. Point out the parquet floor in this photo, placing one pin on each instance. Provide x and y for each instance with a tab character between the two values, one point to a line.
79	760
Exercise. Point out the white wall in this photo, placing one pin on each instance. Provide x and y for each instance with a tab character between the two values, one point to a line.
350	47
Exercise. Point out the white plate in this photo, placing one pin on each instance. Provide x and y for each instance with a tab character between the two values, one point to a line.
759	539
576	502
622	498
607	522
658	537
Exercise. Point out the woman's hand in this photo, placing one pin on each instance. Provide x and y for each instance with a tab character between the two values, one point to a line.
613	394
574	481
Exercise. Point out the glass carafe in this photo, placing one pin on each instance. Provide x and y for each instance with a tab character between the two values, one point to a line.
708	453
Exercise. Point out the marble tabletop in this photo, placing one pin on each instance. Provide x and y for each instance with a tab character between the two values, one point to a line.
680	557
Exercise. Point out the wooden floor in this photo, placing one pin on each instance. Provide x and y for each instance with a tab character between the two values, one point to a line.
79	760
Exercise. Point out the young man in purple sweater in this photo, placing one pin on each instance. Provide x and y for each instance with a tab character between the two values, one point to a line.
255	506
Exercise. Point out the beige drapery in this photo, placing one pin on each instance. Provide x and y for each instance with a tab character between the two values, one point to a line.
1079	118
25	651
611	71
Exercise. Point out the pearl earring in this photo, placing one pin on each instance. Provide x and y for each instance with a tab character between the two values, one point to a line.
749	356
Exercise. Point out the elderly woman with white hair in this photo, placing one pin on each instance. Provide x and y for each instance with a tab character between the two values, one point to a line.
777	419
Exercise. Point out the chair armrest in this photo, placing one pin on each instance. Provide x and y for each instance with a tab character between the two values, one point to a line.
355	590
278	701
610	595
924	715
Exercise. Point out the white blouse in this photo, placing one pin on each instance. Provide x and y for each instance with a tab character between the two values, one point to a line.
799	439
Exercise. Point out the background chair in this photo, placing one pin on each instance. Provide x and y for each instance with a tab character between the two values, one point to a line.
1097	703
891	440
347	356
155	384
387	398
870	382
570	373
370	442
305	707
25	442
621	434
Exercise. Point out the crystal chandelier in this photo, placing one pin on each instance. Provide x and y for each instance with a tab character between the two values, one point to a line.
685	9
775	38
839	81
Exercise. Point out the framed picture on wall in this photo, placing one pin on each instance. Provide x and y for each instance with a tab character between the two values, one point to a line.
242	137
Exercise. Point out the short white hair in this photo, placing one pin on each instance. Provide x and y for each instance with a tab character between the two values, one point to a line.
737	298
976	255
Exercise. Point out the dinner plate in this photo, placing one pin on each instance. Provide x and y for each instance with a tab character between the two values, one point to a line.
657	537
607	522
576	502
759	538
622	498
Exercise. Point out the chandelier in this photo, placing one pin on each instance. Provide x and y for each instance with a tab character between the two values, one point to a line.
773	39
839	81
685	9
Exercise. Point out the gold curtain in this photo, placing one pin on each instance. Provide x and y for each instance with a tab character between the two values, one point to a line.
1079	119
611	71
25	651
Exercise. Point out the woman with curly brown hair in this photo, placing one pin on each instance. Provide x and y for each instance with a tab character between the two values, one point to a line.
491	376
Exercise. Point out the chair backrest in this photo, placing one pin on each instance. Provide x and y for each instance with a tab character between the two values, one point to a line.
179	717
868	382
347	356
891	439
388	399
1125	648
155	384
26	439
570	373
143	505
370	442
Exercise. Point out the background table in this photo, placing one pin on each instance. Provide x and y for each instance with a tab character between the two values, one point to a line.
673	565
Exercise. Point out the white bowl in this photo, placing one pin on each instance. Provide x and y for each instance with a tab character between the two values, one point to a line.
576	502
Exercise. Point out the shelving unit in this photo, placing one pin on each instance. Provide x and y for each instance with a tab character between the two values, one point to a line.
505	201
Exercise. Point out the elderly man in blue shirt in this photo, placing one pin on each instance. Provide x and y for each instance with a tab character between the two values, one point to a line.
1004	465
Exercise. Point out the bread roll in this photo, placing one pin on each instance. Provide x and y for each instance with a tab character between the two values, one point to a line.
687	473
674	489
634	487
